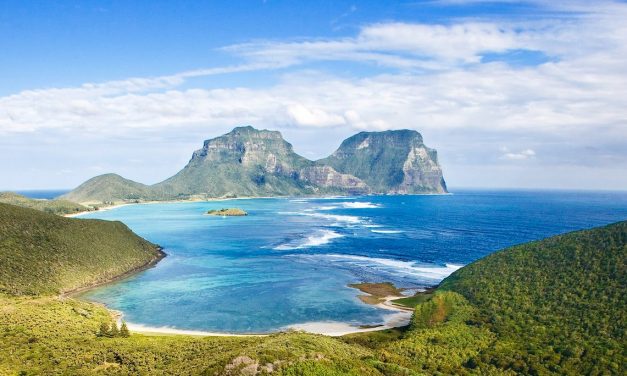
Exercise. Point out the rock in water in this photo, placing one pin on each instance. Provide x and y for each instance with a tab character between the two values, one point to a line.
230	212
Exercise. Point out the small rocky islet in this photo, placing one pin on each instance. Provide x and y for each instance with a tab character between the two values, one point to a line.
227	212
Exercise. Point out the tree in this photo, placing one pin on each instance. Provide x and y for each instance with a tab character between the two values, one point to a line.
124	332
115	332
104	330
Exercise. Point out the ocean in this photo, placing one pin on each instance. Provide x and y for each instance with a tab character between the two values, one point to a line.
290	260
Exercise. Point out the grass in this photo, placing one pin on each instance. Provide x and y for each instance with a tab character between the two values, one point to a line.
379	290
412	301
57	206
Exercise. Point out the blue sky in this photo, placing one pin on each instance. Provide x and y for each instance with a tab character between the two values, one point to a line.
512	94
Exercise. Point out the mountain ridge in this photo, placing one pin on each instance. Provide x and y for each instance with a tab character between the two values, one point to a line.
248	162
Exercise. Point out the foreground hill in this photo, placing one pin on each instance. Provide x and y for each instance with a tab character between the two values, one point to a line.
42	253
252	163
59	207
555	306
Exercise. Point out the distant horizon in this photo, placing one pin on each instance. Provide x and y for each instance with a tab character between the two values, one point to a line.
452	190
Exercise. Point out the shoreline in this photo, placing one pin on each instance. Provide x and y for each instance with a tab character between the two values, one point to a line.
400	317
151	263
217	199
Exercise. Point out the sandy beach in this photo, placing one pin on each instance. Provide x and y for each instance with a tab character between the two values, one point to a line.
401	316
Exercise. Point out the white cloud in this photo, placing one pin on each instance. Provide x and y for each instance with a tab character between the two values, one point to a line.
438	86
521	155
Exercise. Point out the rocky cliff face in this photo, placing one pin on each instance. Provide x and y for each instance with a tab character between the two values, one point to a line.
394	162
327	177
250	162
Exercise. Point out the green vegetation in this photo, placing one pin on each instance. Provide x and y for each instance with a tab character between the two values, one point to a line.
59	207
376	291
42	253
412	301
109	189
554	307
230	212
60	336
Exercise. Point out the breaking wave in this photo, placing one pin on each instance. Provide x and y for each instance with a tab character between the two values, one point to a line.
320	238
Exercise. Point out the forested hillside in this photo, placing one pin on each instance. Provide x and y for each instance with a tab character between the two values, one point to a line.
556	305
43	253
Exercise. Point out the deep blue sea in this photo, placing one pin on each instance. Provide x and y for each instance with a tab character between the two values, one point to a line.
43	193
290	260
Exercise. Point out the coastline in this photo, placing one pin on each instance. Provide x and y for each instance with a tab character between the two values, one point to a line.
400	317
151	263
115	206
217	199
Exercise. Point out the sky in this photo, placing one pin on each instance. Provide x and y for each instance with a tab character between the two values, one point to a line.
512	94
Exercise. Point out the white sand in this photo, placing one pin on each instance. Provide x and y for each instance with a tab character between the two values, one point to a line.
104	208
138	328
400	317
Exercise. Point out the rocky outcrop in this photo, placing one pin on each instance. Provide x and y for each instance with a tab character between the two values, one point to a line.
390	162
227	212
327	177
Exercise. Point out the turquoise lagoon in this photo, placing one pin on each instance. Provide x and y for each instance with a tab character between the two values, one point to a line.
290	261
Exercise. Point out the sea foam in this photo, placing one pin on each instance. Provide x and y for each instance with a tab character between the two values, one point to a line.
320	238
360	205
387	231
411	268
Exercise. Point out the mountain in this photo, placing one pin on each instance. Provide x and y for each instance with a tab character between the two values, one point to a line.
251	162
60	207
394	162
254	163
42	253
109	188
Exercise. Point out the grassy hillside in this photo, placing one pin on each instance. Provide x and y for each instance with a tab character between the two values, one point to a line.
555	306
59	207
42	253
109	188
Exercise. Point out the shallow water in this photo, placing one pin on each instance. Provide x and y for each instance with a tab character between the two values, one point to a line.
290	260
